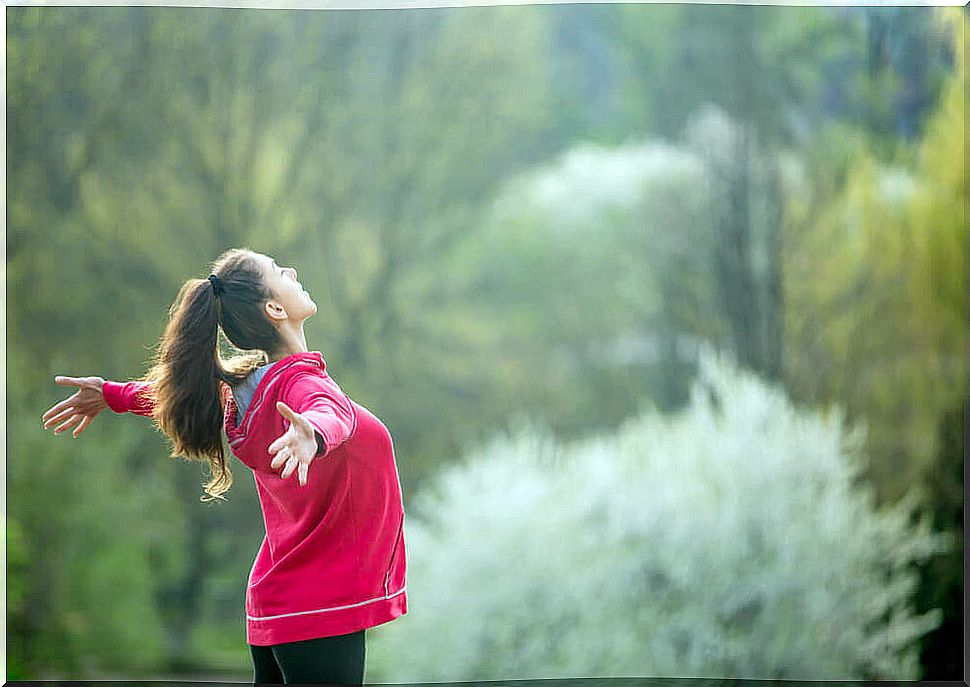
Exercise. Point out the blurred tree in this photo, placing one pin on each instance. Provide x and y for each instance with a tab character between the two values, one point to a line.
937	290
877	284
773	71
878	321
721	48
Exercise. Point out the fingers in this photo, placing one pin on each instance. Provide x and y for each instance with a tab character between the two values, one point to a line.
55	409
287	449
74	420
58	418
291	464
84	424
280	458
298	425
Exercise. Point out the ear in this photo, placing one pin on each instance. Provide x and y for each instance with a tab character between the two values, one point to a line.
275	311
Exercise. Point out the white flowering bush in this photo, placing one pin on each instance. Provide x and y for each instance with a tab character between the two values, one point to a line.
733	539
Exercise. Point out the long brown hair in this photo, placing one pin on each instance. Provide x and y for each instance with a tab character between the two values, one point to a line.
188	369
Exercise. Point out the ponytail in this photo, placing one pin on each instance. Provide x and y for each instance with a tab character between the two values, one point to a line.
188	372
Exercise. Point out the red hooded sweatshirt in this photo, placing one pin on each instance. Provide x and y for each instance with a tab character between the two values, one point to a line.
333	559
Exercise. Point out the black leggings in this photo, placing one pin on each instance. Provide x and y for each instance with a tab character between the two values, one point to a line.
327	660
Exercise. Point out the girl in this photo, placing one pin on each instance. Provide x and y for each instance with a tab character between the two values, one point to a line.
332	562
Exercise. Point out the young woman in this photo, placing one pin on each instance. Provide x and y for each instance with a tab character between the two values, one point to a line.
332	562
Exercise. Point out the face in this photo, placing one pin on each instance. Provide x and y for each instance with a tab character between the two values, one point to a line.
290	300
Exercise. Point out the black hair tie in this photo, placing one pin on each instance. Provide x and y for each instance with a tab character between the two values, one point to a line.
217	287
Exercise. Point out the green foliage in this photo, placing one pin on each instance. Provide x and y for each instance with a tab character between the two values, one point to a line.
17	557
87	599
876	318
875	282
729	540
765	65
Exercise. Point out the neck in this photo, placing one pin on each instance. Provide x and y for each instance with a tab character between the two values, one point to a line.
294	341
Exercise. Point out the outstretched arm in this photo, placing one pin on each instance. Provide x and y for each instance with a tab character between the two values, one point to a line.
93	395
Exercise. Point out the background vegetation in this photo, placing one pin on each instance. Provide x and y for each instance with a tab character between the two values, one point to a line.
524	216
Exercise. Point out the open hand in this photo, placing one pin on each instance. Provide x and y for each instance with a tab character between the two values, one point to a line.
79	409
297	447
